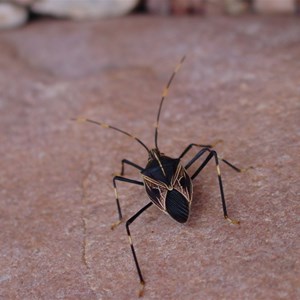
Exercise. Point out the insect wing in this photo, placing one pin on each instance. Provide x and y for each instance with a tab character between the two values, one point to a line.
156	192
183	183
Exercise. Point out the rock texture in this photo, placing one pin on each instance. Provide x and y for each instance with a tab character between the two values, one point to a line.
239	83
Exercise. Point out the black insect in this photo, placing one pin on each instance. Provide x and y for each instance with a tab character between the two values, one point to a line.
166	181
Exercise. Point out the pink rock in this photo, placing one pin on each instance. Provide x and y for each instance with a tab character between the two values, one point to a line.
275	6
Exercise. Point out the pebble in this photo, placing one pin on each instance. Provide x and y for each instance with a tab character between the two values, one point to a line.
84	9
12	16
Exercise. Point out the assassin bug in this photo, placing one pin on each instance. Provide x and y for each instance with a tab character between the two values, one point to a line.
165	179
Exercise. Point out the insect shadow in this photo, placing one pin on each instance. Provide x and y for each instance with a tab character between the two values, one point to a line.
165	180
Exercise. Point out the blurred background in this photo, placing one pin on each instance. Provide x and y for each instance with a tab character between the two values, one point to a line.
15	13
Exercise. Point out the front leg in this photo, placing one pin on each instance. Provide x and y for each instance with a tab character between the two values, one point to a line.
126	161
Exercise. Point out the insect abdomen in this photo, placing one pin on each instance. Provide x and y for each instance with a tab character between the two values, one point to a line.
177	206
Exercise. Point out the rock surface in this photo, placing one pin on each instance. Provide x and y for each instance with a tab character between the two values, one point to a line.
12	16
84	9
239	83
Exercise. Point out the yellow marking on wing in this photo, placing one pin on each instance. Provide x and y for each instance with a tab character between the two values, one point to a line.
148	180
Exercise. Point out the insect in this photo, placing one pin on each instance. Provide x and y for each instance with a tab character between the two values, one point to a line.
166	180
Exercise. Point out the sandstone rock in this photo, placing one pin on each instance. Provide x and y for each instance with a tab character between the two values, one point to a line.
275	6
12	16
84	9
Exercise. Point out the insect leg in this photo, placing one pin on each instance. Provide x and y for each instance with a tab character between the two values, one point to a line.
196	157
211	154
188	148
124	179
125	161
233	166
142	282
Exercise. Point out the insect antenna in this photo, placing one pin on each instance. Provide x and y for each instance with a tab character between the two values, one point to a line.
164	95
104	125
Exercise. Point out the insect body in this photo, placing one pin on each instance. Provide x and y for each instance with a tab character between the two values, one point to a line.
169	186
165	179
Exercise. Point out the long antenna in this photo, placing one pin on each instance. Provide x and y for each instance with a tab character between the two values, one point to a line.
164	95
103	125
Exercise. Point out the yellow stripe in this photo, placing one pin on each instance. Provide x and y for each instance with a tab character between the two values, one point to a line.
218	170
116	193
177	67
165	92
159	162
81	120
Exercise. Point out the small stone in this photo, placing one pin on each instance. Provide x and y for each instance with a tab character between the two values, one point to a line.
84	9
275	6
12	16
